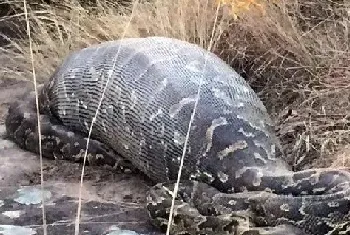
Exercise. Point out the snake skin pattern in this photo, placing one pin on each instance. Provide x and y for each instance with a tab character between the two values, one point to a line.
234	179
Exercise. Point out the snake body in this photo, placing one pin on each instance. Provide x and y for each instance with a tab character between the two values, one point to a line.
165	95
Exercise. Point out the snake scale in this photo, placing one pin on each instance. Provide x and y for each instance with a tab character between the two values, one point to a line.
234	178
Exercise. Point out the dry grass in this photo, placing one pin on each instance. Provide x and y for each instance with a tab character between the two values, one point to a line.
294	53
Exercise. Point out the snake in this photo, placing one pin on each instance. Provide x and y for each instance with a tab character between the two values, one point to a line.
161	105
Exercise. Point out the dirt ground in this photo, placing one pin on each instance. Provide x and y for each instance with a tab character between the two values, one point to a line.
113	203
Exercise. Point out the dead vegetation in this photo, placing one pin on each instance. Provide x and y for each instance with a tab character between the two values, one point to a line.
294	53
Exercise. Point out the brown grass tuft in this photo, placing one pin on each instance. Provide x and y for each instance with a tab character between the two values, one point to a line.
294	53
